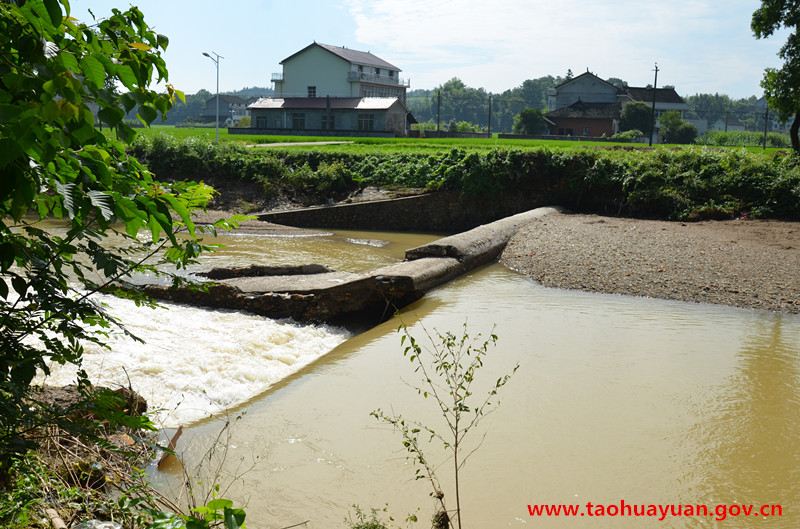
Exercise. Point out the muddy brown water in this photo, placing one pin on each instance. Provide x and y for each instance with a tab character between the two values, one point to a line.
616	399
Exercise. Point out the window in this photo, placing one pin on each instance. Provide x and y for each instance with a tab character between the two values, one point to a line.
261	122
366	121
585	131
298	121
326	125
312	91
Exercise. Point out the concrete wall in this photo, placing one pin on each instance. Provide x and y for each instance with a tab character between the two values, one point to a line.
439	212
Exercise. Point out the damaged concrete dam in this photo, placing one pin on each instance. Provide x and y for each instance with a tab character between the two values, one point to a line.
315	293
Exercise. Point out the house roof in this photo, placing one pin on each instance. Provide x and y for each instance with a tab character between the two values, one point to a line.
663	95
321	103
580	109
352	56
585	74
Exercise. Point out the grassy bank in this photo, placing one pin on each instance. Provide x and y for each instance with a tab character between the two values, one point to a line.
677	184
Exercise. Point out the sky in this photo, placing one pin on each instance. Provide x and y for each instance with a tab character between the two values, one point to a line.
700	46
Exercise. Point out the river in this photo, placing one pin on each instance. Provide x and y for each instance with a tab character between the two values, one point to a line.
616	399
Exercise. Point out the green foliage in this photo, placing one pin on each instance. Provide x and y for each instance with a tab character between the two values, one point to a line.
782	85
530	121
636	115
373	520
447	373
743	139
628	135
54	163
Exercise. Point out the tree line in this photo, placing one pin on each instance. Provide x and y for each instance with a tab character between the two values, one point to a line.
454	101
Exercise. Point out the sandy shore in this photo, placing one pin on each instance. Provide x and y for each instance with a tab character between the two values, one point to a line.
743	263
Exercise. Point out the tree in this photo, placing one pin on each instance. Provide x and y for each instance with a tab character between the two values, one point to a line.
676	130
782	86
636	115
530	121
447	374
55	163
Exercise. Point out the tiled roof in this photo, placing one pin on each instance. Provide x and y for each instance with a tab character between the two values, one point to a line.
579	109
353	56
321	103
663	95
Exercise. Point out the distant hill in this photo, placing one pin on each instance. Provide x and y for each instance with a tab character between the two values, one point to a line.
253	91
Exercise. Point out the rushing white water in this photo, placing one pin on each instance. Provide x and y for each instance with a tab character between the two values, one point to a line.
197	362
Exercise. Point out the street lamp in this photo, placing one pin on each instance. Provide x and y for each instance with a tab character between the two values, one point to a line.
216	62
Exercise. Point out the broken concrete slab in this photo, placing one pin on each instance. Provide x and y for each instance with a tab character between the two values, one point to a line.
317	294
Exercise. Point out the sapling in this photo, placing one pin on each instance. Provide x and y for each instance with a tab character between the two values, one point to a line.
447	371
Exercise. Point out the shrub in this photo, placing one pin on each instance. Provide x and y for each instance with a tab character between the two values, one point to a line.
628	135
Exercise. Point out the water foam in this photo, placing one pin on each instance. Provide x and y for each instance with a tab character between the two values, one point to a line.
195	362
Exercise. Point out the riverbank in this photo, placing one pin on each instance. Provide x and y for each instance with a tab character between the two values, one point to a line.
742	263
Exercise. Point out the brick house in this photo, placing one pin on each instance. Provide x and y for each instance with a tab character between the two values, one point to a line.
589	106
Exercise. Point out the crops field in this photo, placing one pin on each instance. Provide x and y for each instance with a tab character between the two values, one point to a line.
357	146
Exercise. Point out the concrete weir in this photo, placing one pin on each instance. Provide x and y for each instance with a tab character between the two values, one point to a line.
317	294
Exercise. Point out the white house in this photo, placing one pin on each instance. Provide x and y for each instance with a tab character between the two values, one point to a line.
331	90
321	70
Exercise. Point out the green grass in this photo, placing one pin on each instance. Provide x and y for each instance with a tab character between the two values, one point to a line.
391	145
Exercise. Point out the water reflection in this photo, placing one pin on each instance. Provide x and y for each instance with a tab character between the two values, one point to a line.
750	435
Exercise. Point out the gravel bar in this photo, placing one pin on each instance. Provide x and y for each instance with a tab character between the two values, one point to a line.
743	263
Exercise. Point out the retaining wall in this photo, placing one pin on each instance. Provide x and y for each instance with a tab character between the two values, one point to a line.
435	212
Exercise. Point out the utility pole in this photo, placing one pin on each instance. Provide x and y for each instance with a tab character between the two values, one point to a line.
438	109
490	115
653	118
727	112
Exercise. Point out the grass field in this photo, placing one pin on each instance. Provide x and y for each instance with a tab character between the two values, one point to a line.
364	145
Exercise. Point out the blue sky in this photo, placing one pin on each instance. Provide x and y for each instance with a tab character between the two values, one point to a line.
701	46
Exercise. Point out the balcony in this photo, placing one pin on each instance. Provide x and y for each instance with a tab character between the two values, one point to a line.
277	77
378	79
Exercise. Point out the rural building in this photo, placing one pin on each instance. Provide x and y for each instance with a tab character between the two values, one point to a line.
589	106
365	116
773	124
331	90
320	70
231	109
728	125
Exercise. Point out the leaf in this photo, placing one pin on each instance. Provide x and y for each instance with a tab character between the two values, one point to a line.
126	75
219	504
147	114
94	71
111	116
104	203
54	11
68	192
234	518
140	46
